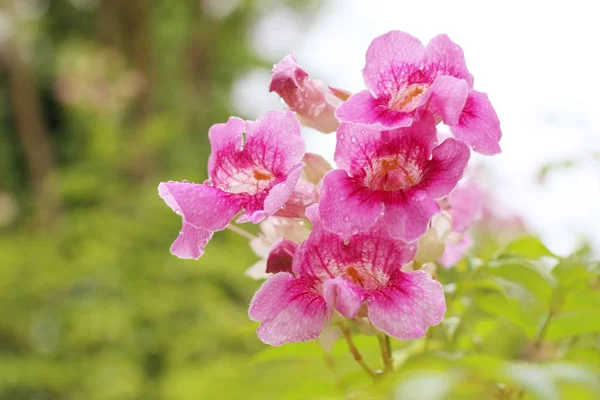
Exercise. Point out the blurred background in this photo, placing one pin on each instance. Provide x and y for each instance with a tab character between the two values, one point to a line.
100	100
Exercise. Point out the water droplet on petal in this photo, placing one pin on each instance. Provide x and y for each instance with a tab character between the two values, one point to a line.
353	139
346	241
355	230
185	181
208	182
346	218
342	136
224	187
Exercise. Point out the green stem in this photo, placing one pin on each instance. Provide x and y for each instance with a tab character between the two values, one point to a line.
355	353
386	352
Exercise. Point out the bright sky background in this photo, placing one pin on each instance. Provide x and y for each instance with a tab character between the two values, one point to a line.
539	62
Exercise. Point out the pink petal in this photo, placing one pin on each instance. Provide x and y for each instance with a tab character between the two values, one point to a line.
321	255
363	108
224	139
303	195
343	296
315	167
453	253
465	205
202	206
407	216
388	61
356	147
479	125
312	100
446	98
274	141
191	242
445	169
278	195
449	58
408	305
289	310
346	206
281	256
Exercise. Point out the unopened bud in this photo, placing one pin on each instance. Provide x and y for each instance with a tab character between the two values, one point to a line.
312	100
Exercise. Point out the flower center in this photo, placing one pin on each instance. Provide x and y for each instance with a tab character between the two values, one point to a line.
251	180
364	278
407	98
391	174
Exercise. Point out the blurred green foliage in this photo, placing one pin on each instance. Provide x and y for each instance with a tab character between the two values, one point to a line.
93	306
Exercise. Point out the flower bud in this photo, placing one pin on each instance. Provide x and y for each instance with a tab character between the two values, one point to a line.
312	100
315	167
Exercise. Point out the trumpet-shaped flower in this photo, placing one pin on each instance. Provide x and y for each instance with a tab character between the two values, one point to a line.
254	166
312	100
403	76
394	177
329	273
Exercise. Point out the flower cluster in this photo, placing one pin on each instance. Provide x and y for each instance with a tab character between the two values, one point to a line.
350	241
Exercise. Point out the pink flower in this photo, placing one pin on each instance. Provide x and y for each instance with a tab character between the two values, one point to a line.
312	100
395	177
403	76
272	230
254	167
330	274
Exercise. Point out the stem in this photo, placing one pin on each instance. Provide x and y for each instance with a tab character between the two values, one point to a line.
240	231
355	353
386	352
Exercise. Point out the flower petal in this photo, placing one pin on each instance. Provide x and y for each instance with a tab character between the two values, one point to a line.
278	195
346	206
274	141
408	305
202	206
455	252
281	256
203	209
446	98
478	125
407	215
363	108
445	169
289	310
191	242
390	59
343	296
449	58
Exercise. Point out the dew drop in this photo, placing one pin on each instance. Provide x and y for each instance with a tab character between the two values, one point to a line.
346	241
346	218
185	181
208	182
353	139
178	212
355	230
342	136
224	187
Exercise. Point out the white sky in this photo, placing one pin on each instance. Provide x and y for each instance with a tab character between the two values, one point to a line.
539	62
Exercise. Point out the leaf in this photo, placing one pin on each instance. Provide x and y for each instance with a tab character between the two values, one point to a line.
509	309
574	323
535	379
571	273
528	247
584	299
524	274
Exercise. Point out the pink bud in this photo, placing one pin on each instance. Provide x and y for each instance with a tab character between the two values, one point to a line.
315	167
312	100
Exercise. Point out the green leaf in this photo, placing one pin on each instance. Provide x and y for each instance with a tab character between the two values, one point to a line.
524	274
574	323
510	310
571	273
528	247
